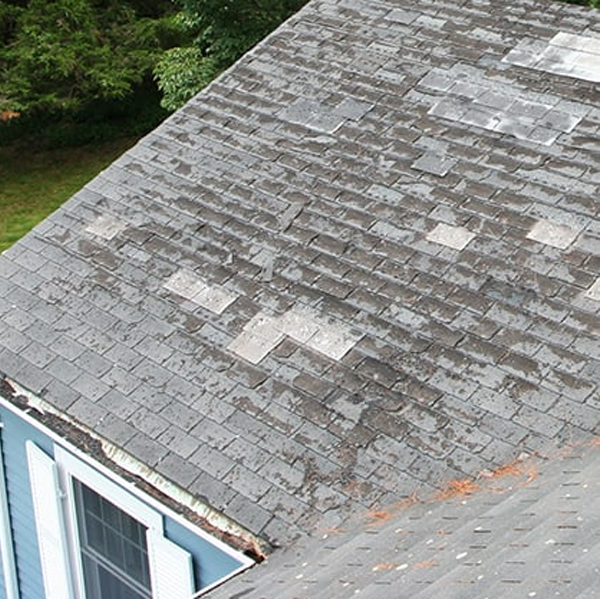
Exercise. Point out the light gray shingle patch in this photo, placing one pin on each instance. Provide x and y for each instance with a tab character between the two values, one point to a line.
300	324
565	54
106	227
214	298
401	15
387	230
211	297
480	101
594	292
553	234
263	333
435	164
258	338
333	340
323	117
353	109
312	114
453	237
252	347
184	284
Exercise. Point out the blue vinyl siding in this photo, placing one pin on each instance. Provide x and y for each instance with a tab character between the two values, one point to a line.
14	435
210	562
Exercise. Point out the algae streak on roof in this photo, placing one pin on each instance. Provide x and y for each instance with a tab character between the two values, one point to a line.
362	263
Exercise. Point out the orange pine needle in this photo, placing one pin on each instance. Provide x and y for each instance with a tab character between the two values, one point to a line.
457	487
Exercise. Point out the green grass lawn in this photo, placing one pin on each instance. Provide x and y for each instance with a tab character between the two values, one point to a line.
35	183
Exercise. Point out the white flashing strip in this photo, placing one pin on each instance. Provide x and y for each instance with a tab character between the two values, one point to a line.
135	467
211	297
264	333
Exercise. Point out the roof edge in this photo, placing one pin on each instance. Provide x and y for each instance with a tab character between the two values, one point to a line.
157	489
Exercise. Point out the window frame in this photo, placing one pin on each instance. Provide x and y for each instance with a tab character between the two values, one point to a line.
70	468
98	558
54	511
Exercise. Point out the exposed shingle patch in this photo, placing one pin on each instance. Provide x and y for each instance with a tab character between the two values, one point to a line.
259	337
323	117
477	100
211	297
263	333
290	213
553	234
401	15
106	227
565	54
448	235
434	163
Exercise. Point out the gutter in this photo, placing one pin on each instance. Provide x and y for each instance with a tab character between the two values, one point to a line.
243	544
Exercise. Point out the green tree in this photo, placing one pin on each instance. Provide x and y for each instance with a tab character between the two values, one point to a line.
220	31
62	54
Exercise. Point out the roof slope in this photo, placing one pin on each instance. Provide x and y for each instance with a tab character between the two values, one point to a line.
364	261
530	530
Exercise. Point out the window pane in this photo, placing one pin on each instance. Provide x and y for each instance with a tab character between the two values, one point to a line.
95	533
113	548
113	587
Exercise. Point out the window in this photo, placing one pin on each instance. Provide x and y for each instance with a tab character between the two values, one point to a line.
114	551
96	538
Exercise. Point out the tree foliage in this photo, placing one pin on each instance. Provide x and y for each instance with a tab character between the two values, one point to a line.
220	32
62	54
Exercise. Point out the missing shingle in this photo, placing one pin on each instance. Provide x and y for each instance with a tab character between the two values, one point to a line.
553	234
259	337
352	109
476	100
335	341
211	297
457	238
324	117
401	15
263	333
565	54
106	227
434	164
251	347
312	114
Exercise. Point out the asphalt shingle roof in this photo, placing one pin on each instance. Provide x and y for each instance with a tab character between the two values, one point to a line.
531	529
364	262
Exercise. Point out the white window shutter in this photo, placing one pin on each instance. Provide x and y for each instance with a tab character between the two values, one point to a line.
171	568
49	522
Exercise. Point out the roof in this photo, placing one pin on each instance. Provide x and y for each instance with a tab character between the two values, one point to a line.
528	530
364	262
